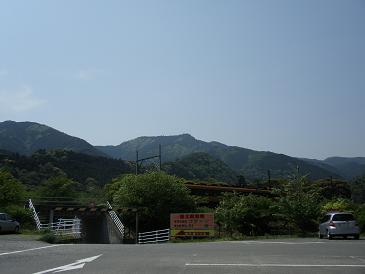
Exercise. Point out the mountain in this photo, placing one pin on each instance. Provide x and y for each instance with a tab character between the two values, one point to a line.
202	167
349	167
252	164
27	137
83	168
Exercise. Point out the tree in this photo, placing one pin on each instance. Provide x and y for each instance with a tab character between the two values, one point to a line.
333	188
155	194
250	215
12	192
338	204
298	203
358	189
57	187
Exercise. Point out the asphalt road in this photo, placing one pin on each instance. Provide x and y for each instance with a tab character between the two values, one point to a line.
19	254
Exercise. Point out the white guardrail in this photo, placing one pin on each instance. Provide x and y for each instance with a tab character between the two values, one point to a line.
34	215
116	219
65	227
153	237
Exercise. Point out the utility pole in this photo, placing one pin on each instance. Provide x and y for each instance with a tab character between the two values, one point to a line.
159	157
140	161
137	162
137	231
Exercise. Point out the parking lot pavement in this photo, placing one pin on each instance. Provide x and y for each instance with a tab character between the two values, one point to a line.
14	242
269	256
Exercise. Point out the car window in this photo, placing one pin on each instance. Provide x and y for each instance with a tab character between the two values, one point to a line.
2	217
325	218
343	217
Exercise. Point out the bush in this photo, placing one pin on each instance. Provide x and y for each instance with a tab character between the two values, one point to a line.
155	194
48	237
360	216
298	204
249	215
338	204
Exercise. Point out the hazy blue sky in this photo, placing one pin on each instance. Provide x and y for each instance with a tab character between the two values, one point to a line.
285	76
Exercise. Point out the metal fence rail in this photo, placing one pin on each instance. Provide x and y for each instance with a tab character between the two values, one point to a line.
116	220
64	227
153	237
34	214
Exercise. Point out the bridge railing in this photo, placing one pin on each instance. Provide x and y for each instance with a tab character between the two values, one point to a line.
154	237
118	223
34	214
64	227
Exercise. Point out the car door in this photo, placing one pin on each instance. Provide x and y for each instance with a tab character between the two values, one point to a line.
10	222
4	225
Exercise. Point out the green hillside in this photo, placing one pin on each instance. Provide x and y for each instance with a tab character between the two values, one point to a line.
27	137
202	167
252	164
83	168
349	167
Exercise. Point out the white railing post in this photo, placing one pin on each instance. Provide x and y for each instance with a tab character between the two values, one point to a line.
116	219
34	214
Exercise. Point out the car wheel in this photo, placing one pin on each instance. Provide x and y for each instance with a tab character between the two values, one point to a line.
16	230
357	237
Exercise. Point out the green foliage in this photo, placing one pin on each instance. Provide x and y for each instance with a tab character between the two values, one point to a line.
11	190
358	190
331	188
59	186
298	204
253	164
360	216
48	237
250	215
80	167
156	195
31	137
203	167
338	204
349	167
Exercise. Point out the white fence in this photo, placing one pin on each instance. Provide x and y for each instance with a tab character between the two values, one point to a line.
153	237
65	227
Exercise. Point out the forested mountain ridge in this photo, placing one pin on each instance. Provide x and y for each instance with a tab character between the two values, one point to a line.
249	163
42	165
27	137
201	166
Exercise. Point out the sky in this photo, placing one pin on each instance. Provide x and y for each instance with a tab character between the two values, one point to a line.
281	76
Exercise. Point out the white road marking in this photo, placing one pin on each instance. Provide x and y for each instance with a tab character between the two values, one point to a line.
31	249
76	265
283	243
280	265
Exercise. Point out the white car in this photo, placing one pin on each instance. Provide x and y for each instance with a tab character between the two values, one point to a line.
341	224
8	224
